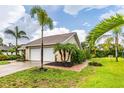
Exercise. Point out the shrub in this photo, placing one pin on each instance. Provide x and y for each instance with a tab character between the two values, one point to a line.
20	58
86	54
77	57
3	57
12	57
95	64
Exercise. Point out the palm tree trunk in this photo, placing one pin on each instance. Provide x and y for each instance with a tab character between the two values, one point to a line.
116	47
64	55
16	46
42	47
60	52
69	54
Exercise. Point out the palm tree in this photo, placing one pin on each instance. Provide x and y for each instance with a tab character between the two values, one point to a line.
17	35
65	50
45	21
113	23
117	33
58	48
103	27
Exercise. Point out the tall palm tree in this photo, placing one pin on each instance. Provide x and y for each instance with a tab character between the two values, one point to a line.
45	21
116	35
111	23
17	35
104	26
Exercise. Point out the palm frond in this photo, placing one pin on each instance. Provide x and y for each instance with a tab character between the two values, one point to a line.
42	16
35	10
105	26
26	37
22	33
10	32
50	23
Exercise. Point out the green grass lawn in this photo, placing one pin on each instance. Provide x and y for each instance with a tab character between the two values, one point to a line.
111	74
4	62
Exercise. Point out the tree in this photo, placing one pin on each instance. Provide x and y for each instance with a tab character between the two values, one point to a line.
84	45
113	23
107	45
45	21
58	48
103	27
65	50
117	33
17	35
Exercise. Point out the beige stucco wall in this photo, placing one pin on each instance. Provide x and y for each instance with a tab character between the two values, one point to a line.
72	40
27	51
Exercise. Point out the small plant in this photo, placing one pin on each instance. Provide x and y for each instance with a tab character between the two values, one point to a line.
95	64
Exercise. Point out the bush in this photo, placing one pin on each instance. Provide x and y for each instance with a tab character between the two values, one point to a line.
20	58
86	54
3	57
95	64
77	57
12	57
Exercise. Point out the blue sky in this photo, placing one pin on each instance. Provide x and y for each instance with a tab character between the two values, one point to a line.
84	19
80	19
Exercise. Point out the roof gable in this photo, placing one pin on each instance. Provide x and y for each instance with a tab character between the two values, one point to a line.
50	40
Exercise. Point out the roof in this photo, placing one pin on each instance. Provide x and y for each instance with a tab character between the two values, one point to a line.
51	40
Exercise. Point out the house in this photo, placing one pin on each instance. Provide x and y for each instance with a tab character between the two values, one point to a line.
33	52
4	48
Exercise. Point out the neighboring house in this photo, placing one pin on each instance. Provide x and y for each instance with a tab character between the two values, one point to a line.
33	52
5	49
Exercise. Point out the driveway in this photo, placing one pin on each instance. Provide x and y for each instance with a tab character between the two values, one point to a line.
15	67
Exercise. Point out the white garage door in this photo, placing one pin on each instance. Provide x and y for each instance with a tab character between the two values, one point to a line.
48	54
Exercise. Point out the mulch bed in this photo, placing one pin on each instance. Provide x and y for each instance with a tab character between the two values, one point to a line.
60	65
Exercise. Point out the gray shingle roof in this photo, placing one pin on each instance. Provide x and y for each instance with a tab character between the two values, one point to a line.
4	47
50	40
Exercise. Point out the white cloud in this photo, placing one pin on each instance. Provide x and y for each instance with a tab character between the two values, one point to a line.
54	31
86	24
81	33
10	14
55	23
17	16
120	10
26	24
75	9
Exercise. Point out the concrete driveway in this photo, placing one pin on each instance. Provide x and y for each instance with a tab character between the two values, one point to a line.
15	67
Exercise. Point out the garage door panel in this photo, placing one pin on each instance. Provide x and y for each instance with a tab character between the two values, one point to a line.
35	54
48	54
